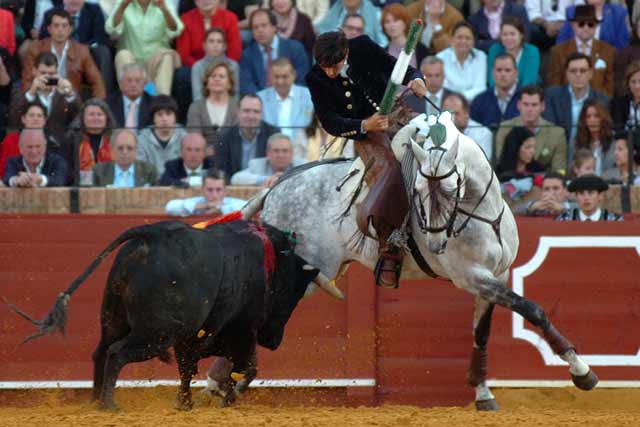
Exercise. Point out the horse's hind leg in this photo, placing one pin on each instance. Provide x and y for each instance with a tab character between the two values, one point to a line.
477	374
494	291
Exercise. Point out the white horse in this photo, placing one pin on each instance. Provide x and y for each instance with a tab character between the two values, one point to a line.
459	223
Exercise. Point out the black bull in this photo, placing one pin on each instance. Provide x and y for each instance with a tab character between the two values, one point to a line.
202	292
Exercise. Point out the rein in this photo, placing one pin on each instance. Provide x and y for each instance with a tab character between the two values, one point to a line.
449	226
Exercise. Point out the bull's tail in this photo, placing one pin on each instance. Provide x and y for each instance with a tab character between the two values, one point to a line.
254	205
57	317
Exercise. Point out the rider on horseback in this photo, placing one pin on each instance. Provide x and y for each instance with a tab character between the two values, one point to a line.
347	84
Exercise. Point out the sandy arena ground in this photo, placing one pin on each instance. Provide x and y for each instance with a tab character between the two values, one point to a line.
154	407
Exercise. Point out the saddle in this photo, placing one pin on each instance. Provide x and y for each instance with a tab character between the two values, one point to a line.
381	201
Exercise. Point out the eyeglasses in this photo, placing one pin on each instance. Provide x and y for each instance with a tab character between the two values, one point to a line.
590	24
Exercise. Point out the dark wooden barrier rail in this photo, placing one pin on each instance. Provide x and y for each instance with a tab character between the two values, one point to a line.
413	343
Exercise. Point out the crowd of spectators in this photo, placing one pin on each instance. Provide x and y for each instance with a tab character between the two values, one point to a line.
127	93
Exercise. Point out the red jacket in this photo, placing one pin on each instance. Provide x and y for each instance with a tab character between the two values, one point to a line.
8	31
9	148
190	44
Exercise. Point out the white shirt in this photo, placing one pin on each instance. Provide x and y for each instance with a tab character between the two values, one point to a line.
41	7
593	217
469	78
284	115
481	135
62	59
37	171
504	102
543	9
186	207
194	176
436	98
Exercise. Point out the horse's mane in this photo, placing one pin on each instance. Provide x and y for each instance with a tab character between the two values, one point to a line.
306	166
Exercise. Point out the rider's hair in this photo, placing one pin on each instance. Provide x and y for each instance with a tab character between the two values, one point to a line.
330	48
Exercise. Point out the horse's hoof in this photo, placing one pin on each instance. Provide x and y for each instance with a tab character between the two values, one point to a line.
585	382
203	398
183	405
487	405
109	406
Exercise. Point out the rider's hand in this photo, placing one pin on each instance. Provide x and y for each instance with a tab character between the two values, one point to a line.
418	87
377	122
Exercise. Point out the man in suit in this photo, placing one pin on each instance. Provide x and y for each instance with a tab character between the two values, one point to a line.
255	64
551	141
131	105
265	171
192	165
247	140
347	83
288	106
564	103
88	29
498	103
589	191
432	68
34	167
601	54
55	93
74	60
124	171
487	21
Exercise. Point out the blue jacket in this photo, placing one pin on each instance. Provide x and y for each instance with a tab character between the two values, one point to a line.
613	28
528	67
485	109
253	73
54	168
480	24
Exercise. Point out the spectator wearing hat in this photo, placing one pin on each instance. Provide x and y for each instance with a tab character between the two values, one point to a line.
160	142
589	189
612	23
601	54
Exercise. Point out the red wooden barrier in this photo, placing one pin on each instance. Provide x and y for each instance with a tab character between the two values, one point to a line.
413	342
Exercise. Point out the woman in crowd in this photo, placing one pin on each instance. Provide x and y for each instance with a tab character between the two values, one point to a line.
159	143
620	173
89	133
293	24
595	132
395	24
626	57
517	159
218	107
625	109
465	67
215	49
34	116
512	41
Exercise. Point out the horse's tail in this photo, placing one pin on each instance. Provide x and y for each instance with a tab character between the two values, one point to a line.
254	205
57	317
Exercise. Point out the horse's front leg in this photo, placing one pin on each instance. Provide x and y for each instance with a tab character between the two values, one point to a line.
477	374
581	374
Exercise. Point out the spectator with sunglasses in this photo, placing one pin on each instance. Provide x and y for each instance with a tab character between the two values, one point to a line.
601	54
612	23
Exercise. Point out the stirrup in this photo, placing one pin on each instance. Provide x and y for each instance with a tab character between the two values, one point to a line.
390	256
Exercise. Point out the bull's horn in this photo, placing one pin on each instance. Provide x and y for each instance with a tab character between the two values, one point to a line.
329	286
308	267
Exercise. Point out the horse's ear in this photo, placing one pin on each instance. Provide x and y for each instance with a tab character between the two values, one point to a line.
453	151
418	152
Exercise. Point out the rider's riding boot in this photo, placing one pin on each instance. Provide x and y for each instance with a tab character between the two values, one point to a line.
388	267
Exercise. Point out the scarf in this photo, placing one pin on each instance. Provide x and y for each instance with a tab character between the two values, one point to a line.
87	158
287	24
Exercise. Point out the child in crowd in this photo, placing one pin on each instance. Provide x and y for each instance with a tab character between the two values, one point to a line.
584	162
215	48
589	191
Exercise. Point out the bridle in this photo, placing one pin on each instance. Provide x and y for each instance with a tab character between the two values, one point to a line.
449	226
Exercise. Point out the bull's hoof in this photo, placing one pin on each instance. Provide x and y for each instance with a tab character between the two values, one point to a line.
487	405
183	405
228	399
585	382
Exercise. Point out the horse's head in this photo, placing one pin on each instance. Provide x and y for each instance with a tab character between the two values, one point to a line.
437	156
